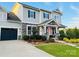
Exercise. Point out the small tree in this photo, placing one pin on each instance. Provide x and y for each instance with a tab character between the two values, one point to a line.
70	33
76	33
62	34
35	31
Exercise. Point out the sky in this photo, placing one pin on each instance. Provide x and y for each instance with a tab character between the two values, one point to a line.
70	10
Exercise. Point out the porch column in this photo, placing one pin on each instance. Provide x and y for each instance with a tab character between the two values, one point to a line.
40	30
57	33
44	29
56	30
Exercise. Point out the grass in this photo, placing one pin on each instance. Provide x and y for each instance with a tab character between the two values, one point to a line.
59	50
76	44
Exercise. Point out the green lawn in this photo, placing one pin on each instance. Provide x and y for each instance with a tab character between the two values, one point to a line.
59	50
77	44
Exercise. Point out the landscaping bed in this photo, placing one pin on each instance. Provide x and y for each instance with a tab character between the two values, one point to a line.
59	49
37	39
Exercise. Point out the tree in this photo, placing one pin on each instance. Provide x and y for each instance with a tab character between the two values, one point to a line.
76	32
62	34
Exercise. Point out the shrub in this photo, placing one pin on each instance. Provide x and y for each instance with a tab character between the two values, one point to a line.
72	33
77	40
66	39
69	33
38	37
25	37
32	37
76	32
62	34
71	40
43	38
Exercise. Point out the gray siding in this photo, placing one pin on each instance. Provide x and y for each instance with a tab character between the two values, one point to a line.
23	29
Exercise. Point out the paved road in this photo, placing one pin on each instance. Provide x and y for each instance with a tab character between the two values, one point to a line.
18	48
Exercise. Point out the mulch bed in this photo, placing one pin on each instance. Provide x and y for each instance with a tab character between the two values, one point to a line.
38	42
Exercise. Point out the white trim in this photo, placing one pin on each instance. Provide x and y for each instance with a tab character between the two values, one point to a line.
9	28
31	29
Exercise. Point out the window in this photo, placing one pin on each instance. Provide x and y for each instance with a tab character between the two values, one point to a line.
29	30
46	15
56	17
31	14
32	30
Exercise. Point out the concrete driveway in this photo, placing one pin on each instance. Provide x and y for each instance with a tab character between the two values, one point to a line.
18	48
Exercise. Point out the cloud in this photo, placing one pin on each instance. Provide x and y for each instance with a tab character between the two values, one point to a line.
74	22
61	6
75	8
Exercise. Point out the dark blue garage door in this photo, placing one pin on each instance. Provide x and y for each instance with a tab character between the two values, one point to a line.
8	34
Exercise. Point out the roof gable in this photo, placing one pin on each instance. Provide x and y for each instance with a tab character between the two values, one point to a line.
2	9
12	16
50	22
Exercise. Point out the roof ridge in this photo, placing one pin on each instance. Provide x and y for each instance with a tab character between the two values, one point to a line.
34	7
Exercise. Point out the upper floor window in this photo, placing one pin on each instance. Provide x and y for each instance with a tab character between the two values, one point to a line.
56	17
46	15
31	14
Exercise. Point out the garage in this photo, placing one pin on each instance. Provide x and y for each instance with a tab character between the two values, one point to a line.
8	34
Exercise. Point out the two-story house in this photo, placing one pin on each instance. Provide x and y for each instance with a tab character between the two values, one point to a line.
24	19
47	22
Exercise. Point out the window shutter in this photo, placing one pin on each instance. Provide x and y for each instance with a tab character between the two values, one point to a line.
28	13
34	15
44	15
48	16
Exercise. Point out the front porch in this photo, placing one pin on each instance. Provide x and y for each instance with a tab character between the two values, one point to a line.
49	30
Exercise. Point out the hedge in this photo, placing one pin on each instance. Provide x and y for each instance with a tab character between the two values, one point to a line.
34	37
71	40
70	33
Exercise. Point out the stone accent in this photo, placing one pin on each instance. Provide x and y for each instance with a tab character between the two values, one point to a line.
23	29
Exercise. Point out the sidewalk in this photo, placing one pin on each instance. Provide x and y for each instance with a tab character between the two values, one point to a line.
70	44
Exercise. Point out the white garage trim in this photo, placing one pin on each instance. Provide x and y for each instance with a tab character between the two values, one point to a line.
17	26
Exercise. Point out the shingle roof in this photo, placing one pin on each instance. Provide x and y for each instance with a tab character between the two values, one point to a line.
62	26
57	11
34	8
27	6
45	21
48	21
12	16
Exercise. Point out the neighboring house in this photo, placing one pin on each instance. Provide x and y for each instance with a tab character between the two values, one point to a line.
10	26
24	19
